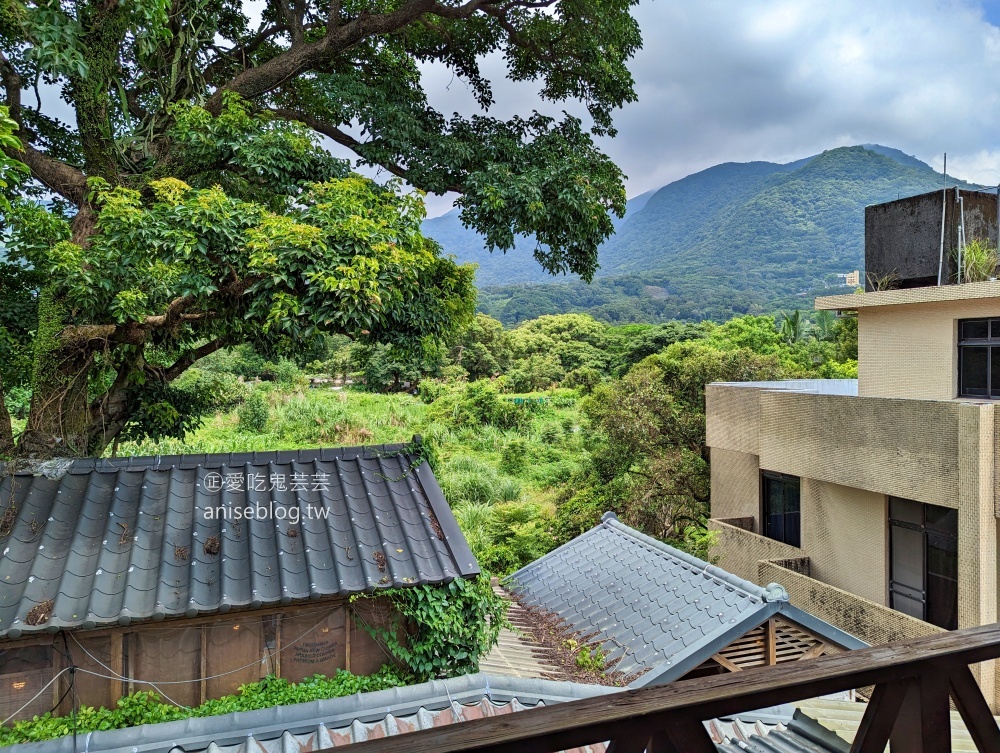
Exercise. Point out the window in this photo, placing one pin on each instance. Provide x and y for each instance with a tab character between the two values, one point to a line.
979	358
780	507
923	561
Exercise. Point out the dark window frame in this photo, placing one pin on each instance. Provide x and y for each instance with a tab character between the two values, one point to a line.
793	538
989	342
926	530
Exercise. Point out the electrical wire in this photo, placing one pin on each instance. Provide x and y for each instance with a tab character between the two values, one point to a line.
37	695
115	676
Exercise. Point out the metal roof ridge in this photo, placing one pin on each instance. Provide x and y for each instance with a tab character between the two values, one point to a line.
193	459
273	722
609	519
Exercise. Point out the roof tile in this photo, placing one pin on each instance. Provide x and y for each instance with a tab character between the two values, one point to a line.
121	539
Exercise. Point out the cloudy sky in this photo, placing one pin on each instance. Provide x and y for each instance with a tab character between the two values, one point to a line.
737	80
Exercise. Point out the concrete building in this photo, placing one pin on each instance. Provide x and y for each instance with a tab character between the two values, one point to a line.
875	501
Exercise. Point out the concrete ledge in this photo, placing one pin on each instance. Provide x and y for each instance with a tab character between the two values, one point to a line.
854	301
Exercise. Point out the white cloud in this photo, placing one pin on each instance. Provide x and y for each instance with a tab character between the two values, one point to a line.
778	80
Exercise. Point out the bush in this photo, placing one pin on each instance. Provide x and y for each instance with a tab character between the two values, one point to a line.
283	372
18	401
479	404
430	390
584	379
254	413
551	433
519	533
513	456
144	707
220	390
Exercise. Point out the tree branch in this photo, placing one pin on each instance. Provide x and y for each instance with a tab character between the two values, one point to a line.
185	362
304	56
345	139
59	177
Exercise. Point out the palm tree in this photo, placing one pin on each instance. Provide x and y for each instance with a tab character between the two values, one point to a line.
823	325
791	326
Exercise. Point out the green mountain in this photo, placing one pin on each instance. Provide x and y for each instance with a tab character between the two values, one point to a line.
735	238
517	265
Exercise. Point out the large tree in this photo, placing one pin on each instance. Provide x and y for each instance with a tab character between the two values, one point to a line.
178	198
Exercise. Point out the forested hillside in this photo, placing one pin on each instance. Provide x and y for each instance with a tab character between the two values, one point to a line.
733	239
517	265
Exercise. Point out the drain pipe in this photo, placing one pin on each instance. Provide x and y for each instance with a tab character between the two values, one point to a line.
960	200
944	202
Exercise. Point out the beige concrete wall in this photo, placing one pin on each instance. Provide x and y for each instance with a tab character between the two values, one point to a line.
740	552
844	536
735	484
731	417
871	622
911	351
906	448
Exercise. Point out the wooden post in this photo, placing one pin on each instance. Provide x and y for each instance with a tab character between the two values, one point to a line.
770	644
974	710
277	645
117	665
924	721
348	628
203	683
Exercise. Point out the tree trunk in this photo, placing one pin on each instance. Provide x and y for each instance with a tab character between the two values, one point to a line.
6	431
60	411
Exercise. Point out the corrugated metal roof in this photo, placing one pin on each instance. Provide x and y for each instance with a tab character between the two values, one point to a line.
100	542
334	722
801	734
652	607
341	721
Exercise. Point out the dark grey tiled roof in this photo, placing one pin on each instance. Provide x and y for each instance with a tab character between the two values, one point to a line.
115	540
653	607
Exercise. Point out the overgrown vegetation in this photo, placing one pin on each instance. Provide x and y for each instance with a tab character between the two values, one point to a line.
615	422
452	626
146	707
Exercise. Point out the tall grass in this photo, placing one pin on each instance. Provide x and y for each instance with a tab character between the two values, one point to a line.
979	261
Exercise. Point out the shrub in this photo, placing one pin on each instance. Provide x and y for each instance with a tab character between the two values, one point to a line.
513	456
551	433
584	379
220	390
430	390
518	533
18	401
145	707
254	413
284	372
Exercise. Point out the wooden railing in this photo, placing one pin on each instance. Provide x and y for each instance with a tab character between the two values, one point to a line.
910	705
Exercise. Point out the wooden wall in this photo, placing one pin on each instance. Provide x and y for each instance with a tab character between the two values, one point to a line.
216	655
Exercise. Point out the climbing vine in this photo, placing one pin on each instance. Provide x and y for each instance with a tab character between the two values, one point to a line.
451	626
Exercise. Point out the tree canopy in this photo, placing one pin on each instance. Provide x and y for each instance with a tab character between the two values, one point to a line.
186	202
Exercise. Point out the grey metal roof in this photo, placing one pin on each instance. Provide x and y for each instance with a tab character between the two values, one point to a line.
801	734
108	541
341	721
332	722
654	608
847	387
